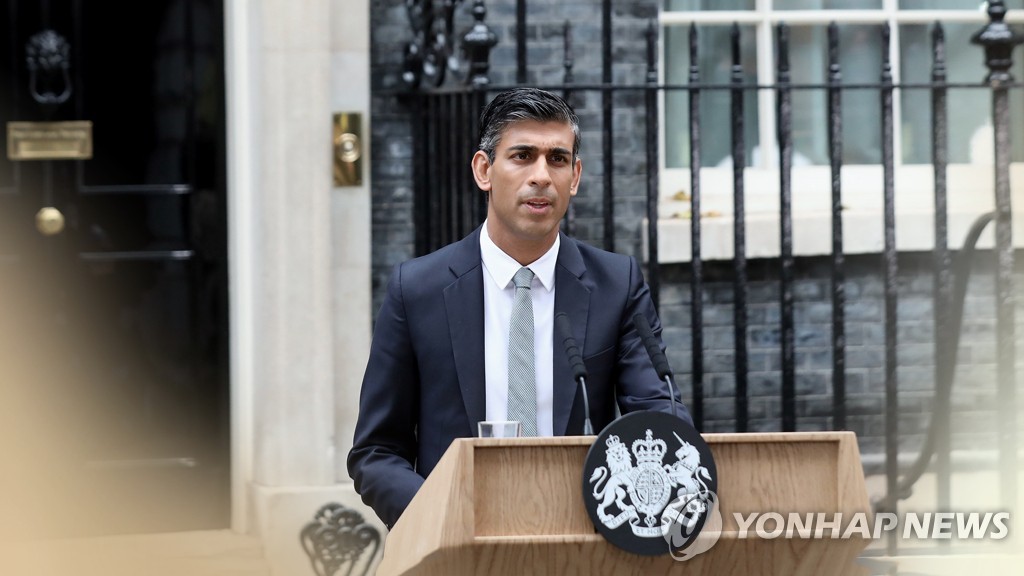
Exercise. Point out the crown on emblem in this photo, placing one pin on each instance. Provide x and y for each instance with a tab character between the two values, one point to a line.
612	441
649	450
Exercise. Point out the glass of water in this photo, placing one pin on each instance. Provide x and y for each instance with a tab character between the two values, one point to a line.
499	429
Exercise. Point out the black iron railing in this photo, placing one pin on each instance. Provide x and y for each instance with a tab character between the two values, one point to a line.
448	206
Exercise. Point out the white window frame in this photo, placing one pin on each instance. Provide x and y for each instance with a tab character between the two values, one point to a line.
811	185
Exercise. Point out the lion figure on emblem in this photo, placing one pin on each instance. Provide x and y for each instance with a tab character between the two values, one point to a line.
612	486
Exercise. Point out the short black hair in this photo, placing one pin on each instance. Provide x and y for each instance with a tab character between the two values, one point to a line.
520	104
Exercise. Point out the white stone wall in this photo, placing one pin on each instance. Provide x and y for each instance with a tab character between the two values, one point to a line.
300	262
350	223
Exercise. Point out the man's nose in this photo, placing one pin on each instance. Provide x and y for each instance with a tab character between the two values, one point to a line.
541	175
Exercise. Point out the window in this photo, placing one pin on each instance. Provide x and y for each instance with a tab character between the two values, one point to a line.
859	21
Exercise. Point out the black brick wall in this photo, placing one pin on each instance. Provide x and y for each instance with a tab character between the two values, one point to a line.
975	399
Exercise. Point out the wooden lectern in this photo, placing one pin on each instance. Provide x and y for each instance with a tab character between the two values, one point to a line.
515	506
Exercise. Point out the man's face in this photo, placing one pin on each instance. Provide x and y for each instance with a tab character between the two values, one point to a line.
530	182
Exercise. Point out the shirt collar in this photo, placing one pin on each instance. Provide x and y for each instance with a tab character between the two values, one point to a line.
501	267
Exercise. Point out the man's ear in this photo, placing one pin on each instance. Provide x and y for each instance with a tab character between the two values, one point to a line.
577	171
482	170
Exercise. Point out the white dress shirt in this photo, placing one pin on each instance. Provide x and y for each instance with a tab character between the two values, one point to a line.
499	293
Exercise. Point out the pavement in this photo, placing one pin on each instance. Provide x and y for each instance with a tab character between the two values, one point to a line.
206	553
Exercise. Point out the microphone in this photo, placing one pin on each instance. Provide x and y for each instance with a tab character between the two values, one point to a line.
650	342
579	370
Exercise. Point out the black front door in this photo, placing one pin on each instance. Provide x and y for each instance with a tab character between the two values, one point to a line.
113	282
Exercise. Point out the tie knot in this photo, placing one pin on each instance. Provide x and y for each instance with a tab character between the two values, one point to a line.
523	278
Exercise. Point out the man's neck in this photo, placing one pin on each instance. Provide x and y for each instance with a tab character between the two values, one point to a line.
524	253
527	255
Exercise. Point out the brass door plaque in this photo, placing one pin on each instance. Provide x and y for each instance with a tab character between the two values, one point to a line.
49	140
348	149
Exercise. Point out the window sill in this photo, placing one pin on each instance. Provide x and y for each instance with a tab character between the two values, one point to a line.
971	194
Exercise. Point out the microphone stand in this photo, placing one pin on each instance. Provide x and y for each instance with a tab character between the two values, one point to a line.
650	342
588	428
579	369
672	393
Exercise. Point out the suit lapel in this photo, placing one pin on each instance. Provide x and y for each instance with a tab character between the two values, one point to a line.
573	298
464	304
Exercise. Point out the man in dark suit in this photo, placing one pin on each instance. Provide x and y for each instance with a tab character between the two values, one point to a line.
444	357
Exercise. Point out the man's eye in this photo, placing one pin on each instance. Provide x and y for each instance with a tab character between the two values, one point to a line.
522	155
558	159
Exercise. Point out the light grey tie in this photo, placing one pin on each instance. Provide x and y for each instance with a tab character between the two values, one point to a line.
522	386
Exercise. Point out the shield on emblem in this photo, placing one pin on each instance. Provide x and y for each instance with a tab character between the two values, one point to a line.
651	490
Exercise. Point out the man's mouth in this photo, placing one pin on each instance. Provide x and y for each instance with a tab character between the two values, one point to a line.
538	203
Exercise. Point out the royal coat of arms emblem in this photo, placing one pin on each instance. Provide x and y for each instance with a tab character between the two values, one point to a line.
649	483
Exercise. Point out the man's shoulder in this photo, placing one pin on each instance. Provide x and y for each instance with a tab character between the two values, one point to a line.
442	265
600	270
593	255
429	263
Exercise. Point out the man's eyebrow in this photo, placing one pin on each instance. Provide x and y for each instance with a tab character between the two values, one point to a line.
531	148
523	148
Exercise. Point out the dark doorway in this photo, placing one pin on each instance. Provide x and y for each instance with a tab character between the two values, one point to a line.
113	282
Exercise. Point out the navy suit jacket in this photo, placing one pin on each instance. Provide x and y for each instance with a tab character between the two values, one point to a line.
424	383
